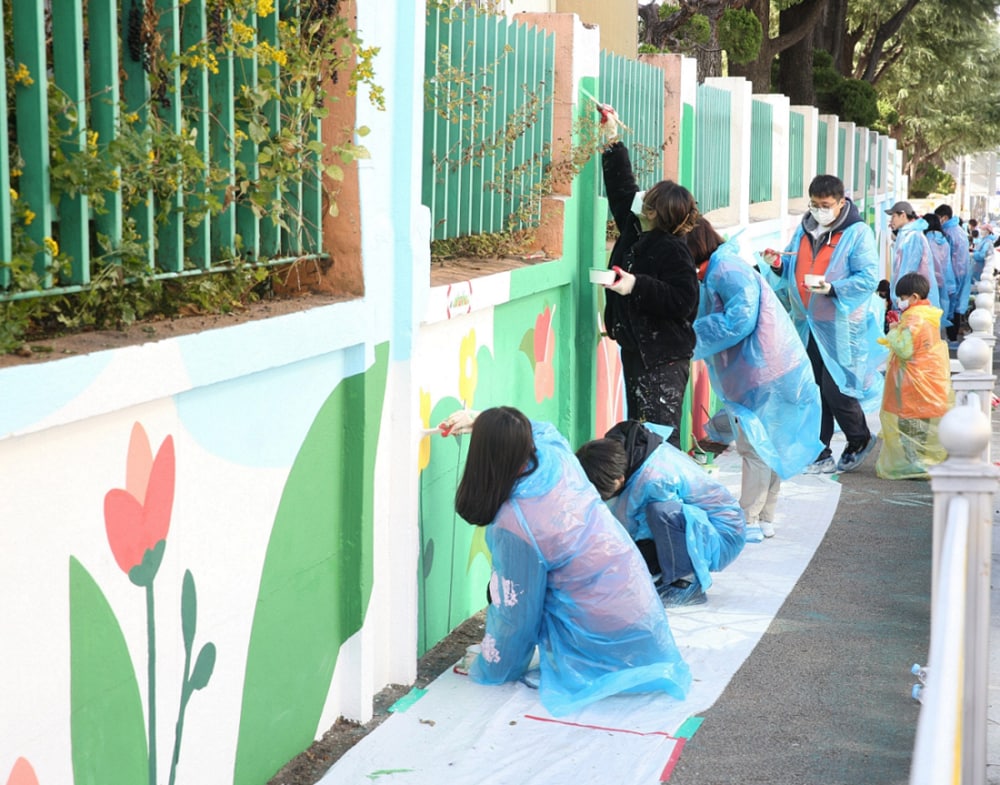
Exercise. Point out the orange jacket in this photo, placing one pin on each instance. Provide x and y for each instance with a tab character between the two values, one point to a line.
918	374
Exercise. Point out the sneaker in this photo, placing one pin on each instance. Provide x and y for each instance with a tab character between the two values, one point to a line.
683	592
855	453
822	466
766	528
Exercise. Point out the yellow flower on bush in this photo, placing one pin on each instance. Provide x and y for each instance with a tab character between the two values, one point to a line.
132	117
468	369
23	76
265	7
13	195
242	33
269	53
51	246
29	216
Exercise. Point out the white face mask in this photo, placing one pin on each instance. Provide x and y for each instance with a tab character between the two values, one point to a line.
637	202
824	215
904	304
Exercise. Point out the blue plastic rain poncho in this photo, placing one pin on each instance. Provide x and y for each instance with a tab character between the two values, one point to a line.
843	326
758	365
958	241
568	577
983	250
911	253
715	528
941	257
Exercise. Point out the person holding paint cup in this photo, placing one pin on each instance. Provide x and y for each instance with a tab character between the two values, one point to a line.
650	308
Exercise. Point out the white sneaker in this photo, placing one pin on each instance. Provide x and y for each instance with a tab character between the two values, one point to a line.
766	528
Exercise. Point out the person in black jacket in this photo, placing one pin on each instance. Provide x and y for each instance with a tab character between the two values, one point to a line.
650	307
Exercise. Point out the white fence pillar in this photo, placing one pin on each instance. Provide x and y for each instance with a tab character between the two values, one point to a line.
981	323
964	433
976	376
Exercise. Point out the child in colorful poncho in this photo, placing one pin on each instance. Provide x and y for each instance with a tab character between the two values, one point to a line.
917	389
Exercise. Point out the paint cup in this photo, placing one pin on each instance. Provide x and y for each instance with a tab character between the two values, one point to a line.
601	276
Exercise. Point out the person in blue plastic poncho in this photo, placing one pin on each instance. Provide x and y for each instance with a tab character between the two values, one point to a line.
911	251
565	576
831	310
760	370
686	524
958	242
941	256
982	251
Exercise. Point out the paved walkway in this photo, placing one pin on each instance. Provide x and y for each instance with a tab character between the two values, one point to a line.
825	696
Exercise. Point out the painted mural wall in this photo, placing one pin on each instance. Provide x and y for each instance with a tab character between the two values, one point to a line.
200	567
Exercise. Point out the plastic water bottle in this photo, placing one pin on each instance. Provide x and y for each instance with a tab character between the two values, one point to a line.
920	671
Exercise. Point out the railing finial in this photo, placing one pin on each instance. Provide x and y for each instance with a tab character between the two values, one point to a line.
981	321
964	432
973	353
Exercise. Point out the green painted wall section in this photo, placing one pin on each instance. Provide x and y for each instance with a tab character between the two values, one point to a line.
107	724
317	576
686	173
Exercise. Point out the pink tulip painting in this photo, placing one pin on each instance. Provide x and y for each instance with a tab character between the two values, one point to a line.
137	517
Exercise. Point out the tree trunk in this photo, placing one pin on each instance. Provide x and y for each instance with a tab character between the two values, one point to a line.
709	63
830	35
795	66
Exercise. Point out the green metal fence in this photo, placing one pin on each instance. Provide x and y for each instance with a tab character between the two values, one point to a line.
761	144
636	92
841	150
83	85
821	152
713	129
796	154
860	159
487	122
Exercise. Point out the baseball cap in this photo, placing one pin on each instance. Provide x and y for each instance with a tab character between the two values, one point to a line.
901	207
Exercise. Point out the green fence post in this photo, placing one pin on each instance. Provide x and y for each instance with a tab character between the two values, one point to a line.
221	140
135	96
270	227
102	29
31	96
196	99
246	219
170	236
6	241
68	72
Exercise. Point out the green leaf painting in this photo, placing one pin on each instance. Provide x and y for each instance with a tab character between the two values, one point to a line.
316	579
107	725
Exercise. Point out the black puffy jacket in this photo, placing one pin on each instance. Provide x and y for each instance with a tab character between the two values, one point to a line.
655	319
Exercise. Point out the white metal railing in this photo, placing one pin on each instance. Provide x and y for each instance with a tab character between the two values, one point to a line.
950	745
936	752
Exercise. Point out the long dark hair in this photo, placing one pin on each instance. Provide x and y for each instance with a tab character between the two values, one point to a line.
703	240
501	451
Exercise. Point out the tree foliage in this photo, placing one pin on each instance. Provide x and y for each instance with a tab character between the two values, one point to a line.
923	71
740	35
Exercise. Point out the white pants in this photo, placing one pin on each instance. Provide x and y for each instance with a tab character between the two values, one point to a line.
760	484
